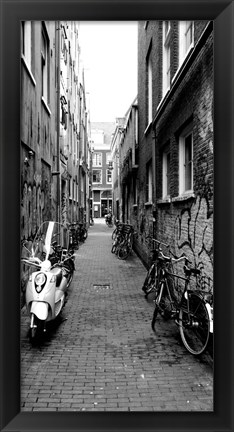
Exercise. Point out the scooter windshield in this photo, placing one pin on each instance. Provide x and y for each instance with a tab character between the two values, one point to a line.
49	235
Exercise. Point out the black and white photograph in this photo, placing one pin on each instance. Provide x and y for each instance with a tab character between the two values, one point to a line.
117	216
116	220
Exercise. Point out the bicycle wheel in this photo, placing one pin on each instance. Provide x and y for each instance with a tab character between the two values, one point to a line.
85	233
123	251
194	325
114	234
148	284
157	305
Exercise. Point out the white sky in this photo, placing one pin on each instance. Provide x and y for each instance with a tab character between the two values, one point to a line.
109	53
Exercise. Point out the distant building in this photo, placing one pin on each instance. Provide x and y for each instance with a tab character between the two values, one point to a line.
124	152
101	196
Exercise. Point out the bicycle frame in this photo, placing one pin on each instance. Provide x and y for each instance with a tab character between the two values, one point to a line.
190	311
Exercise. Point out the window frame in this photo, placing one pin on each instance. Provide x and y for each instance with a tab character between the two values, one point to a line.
183	48
95	153
166	174
45	65
149	74
182	162
97	182
166	60
108	158
108	172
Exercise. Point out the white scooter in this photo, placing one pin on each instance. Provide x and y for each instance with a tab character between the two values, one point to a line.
52	267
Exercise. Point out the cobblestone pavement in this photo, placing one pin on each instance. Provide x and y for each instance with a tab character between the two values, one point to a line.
102	355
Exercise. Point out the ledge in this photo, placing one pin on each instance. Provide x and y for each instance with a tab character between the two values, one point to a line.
148	204
184	197
28	70
164	200
46	106
148	128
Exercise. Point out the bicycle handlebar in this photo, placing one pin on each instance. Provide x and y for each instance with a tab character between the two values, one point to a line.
174	258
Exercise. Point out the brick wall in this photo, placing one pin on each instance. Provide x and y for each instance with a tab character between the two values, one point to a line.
187	225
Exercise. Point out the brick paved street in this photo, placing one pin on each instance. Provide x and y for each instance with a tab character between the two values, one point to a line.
102	354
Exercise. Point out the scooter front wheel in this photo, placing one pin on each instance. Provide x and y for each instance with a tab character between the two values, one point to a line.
36	330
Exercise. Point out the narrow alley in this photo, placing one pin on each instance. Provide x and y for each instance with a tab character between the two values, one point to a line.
102	355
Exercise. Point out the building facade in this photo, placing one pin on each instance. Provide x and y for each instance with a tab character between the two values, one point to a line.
174	176
124	153
101	198
55	132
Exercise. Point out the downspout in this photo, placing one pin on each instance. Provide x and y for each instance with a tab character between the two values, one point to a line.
58	207
154	208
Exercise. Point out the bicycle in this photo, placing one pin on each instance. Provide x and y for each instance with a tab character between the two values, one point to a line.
82	232
151	280
189	311
125	246
74	235
122	240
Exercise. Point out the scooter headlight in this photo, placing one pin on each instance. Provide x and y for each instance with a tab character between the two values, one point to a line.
40	281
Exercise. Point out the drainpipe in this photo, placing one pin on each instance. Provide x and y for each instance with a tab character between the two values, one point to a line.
154	211
58	123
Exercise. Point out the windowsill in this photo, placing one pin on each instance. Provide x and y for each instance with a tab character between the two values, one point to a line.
147	130
184	197
163	98
135	206
183	62
148	204
166	200
45	105
28	70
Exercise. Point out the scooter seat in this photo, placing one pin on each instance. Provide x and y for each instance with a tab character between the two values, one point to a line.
58	273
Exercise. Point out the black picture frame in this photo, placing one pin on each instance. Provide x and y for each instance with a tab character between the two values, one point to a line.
11	14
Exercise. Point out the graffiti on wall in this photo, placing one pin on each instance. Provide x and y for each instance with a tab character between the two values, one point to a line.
64	208
191	227
34	209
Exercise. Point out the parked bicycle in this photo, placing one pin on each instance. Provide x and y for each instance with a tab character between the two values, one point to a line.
117	229
123	240
151	280
189	308
82	232
74	235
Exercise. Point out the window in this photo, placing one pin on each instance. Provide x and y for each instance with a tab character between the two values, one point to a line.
97	159
45	64
149	89
108	176
108	158
186	39
166	57
149	183
166	174
186	162
97	176
27	43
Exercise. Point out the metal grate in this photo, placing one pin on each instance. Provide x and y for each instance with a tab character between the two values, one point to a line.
102	287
